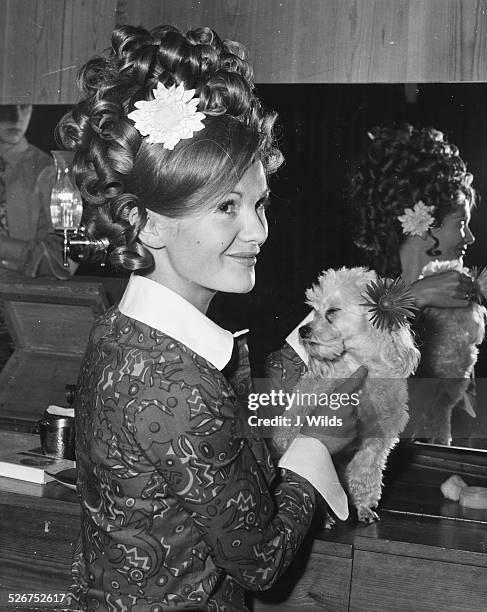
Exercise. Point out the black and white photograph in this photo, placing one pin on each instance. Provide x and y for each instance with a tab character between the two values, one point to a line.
243	305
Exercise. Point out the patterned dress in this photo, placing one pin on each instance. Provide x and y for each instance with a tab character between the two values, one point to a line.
181	505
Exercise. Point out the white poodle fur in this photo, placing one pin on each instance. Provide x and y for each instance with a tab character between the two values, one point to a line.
338	340
448	353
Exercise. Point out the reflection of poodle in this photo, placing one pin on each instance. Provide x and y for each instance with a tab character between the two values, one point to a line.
448	353
338	340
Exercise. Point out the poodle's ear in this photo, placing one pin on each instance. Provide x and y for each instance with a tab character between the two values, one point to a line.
399	348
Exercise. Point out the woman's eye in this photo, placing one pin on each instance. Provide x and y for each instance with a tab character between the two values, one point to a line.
228	207
331	312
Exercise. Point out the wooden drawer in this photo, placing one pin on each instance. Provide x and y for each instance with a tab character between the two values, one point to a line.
393	583
36	548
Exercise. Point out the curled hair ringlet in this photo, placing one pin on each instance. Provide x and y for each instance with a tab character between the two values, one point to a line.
403	166
114	166
433	251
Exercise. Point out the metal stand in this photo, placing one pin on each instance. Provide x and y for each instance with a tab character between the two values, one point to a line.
77	238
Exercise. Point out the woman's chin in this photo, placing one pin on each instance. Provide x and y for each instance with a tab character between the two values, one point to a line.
248	288
241	286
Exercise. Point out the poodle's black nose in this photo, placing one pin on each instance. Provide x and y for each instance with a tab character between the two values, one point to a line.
304	331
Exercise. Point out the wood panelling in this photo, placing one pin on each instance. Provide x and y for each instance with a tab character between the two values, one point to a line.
393	583
43	43
339	41
447	41
36	549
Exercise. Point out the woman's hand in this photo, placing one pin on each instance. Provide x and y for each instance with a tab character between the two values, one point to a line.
347	431
450	289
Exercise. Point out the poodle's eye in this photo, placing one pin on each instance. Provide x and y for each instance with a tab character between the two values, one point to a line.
330	314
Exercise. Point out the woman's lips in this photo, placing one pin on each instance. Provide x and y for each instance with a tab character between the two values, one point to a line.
246	259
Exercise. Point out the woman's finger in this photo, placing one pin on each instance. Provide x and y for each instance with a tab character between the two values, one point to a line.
355	382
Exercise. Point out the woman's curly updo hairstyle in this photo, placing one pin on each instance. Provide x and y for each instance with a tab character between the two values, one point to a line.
404	166
117	170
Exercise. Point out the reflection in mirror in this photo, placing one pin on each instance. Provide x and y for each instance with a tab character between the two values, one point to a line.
26	179
323	134
325	138
412	199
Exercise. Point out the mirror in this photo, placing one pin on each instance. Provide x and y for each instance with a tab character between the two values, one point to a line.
322	132
323	136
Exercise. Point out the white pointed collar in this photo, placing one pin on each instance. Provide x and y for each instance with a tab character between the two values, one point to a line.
157	306
294	341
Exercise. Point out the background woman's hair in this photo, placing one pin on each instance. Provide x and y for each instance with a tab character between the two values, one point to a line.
116	170
403	166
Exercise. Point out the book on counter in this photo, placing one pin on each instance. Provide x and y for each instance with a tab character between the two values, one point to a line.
33	466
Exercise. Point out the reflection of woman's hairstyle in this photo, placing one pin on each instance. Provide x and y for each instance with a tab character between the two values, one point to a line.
117	170
403	166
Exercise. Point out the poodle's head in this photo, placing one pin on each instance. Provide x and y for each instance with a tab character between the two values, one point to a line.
342	324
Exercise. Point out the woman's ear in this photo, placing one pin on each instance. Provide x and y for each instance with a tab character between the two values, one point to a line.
152	234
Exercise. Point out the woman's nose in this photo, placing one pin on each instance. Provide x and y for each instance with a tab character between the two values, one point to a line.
254	227
469	237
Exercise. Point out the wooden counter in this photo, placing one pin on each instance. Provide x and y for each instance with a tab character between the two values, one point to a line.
409	561
38	524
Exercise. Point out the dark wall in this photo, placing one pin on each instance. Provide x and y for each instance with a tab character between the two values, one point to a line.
323	134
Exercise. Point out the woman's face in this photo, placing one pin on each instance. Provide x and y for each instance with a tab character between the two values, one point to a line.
14	121
454	235
216	249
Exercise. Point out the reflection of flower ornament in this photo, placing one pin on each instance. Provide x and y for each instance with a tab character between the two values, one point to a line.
390	303
170	117
418	220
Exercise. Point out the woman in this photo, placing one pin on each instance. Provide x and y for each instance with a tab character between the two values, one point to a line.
181	506
412	198
407	169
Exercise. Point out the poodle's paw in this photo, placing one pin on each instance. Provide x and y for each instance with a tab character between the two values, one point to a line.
329	522
366	515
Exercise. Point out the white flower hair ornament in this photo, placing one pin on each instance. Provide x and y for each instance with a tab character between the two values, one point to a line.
170	117
418	220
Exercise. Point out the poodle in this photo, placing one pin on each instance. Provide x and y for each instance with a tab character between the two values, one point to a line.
449	350
341	337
